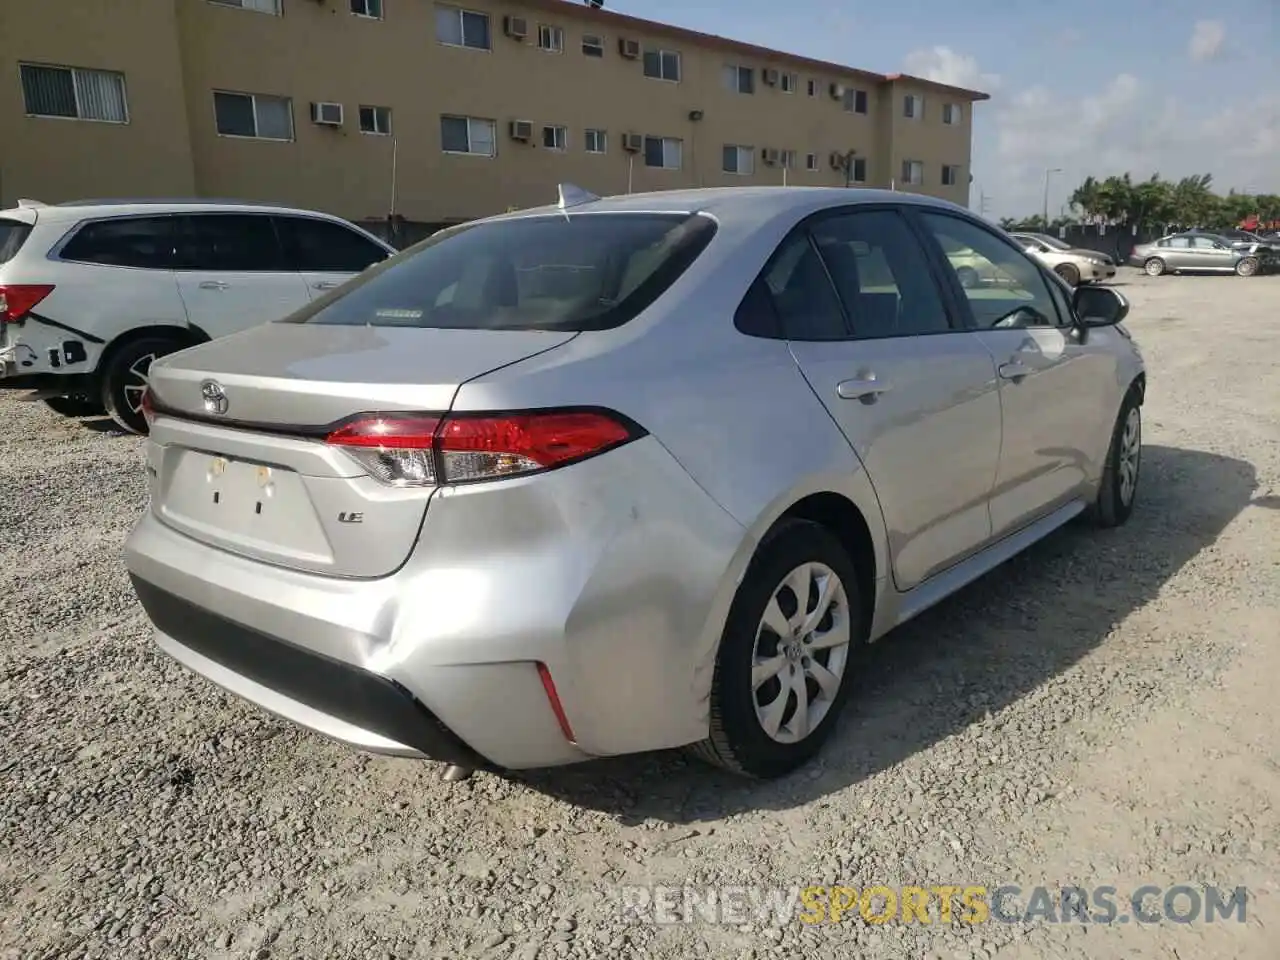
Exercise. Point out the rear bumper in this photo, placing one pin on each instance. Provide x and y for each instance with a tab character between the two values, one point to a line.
615	573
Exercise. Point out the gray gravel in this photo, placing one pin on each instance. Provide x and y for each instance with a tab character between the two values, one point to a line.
1099	711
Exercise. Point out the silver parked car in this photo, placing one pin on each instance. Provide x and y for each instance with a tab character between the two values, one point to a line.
624	474
1075	265
1196	252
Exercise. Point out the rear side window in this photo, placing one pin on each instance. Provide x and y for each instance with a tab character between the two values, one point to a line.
585	271
322	246
12	234
143	242
229	242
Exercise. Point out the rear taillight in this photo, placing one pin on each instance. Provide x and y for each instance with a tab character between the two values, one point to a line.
416	450
148	407
19	299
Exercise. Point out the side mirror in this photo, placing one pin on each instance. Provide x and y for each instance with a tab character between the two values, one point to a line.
1100	306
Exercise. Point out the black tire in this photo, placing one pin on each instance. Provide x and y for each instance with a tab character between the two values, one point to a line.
1115	501
1247	267
1068	273
1153	267
75	405
968	277
738	741
124	377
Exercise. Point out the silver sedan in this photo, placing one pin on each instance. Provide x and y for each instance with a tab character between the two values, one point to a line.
1196	252
624	474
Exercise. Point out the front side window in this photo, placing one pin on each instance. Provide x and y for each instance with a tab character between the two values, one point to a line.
567	272
739	160
662	64
1004	288
142	242
73	93
322	246
229	242
663	152
456	27
468	135
253	115
882	275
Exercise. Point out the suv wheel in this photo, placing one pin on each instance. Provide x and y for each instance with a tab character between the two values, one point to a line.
1068	273
782	670
124	379
75	405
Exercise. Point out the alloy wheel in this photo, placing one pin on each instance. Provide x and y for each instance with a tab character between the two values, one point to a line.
1130	455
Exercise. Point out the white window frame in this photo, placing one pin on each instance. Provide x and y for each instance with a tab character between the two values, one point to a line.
550	32
954	169
952	114
913	172
79	117
293	123
241	5
368	7
853	170
375	132
812	87
595	140
916	103
598	44
662	53
667	143
742	151
733	75
811	162
462	27
788	82
493	130
559	135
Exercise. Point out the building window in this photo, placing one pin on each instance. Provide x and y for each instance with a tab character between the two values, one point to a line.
739	79
951	114
592	45
253	115
74	93
376	120
912	172
739	160
813	88
550	39
595	141
555	138
788	82
913	107
787	159
260	6
664	152
811	162
855	101
467	135
859	172
456	27
662	65
367	8
950	175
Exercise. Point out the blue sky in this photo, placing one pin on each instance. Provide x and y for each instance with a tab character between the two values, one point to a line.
1088	86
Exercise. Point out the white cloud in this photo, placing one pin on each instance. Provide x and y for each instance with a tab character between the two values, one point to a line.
1206	40
944	65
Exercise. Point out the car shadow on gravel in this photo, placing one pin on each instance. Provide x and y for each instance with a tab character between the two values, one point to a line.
979	651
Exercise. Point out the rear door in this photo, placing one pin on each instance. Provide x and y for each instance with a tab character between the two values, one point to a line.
911	389
326	254
232	272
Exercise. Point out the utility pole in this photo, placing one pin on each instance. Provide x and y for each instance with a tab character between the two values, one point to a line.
1047	173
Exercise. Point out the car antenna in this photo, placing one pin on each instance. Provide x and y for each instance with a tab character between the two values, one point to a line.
573	196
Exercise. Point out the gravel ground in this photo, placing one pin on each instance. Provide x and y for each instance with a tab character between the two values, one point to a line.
1099	711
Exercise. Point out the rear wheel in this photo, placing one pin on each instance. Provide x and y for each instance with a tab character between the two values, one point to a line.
782	669
124	379
1247	267
75	405
1068	273
1153	267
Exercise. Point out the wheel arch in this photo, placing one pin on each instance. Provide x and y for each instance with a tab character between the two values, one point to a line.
187	336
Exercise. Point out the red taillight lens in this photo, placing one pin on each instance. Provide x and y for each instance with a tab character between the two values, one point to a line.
19	299
424	450
148	405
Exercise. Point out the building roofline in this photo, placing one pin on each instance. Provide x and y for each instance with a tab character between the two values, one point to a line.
582	11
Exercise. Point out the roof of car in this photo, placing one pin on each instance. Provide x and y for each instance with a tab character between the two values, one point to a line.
118	207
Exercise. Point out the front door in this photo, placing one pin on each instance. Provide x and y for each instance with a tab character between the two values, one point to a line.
912	391
325	253
1210	254
232	272
1051	394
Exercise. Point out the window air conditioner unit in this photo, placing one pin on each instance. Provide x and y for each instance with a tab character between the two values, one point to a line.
836	160
771	77
632	142
769	156
521	130
837	91
327	114
517	28
629	48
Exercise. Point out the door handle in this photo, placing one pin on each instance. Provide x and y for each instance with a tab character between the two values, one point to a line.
1014	370
214	285
326	284
866	388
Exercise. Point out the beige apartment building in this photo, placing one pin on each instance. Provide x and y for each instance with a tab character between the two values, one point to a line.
449	111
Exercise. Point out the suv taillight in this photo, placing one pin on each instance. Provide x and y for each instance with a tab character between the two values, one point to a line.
19	299
424	450
148	405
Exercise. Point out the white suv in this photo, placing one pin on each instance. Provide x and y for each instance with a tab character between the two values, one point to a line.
92	292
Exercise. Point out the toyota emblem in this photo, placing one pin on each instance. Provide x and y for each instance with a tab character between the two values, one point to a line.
215	398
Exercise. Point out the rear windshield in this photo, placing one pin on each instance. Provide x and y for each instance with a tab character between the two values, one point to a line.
585	271
12	233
